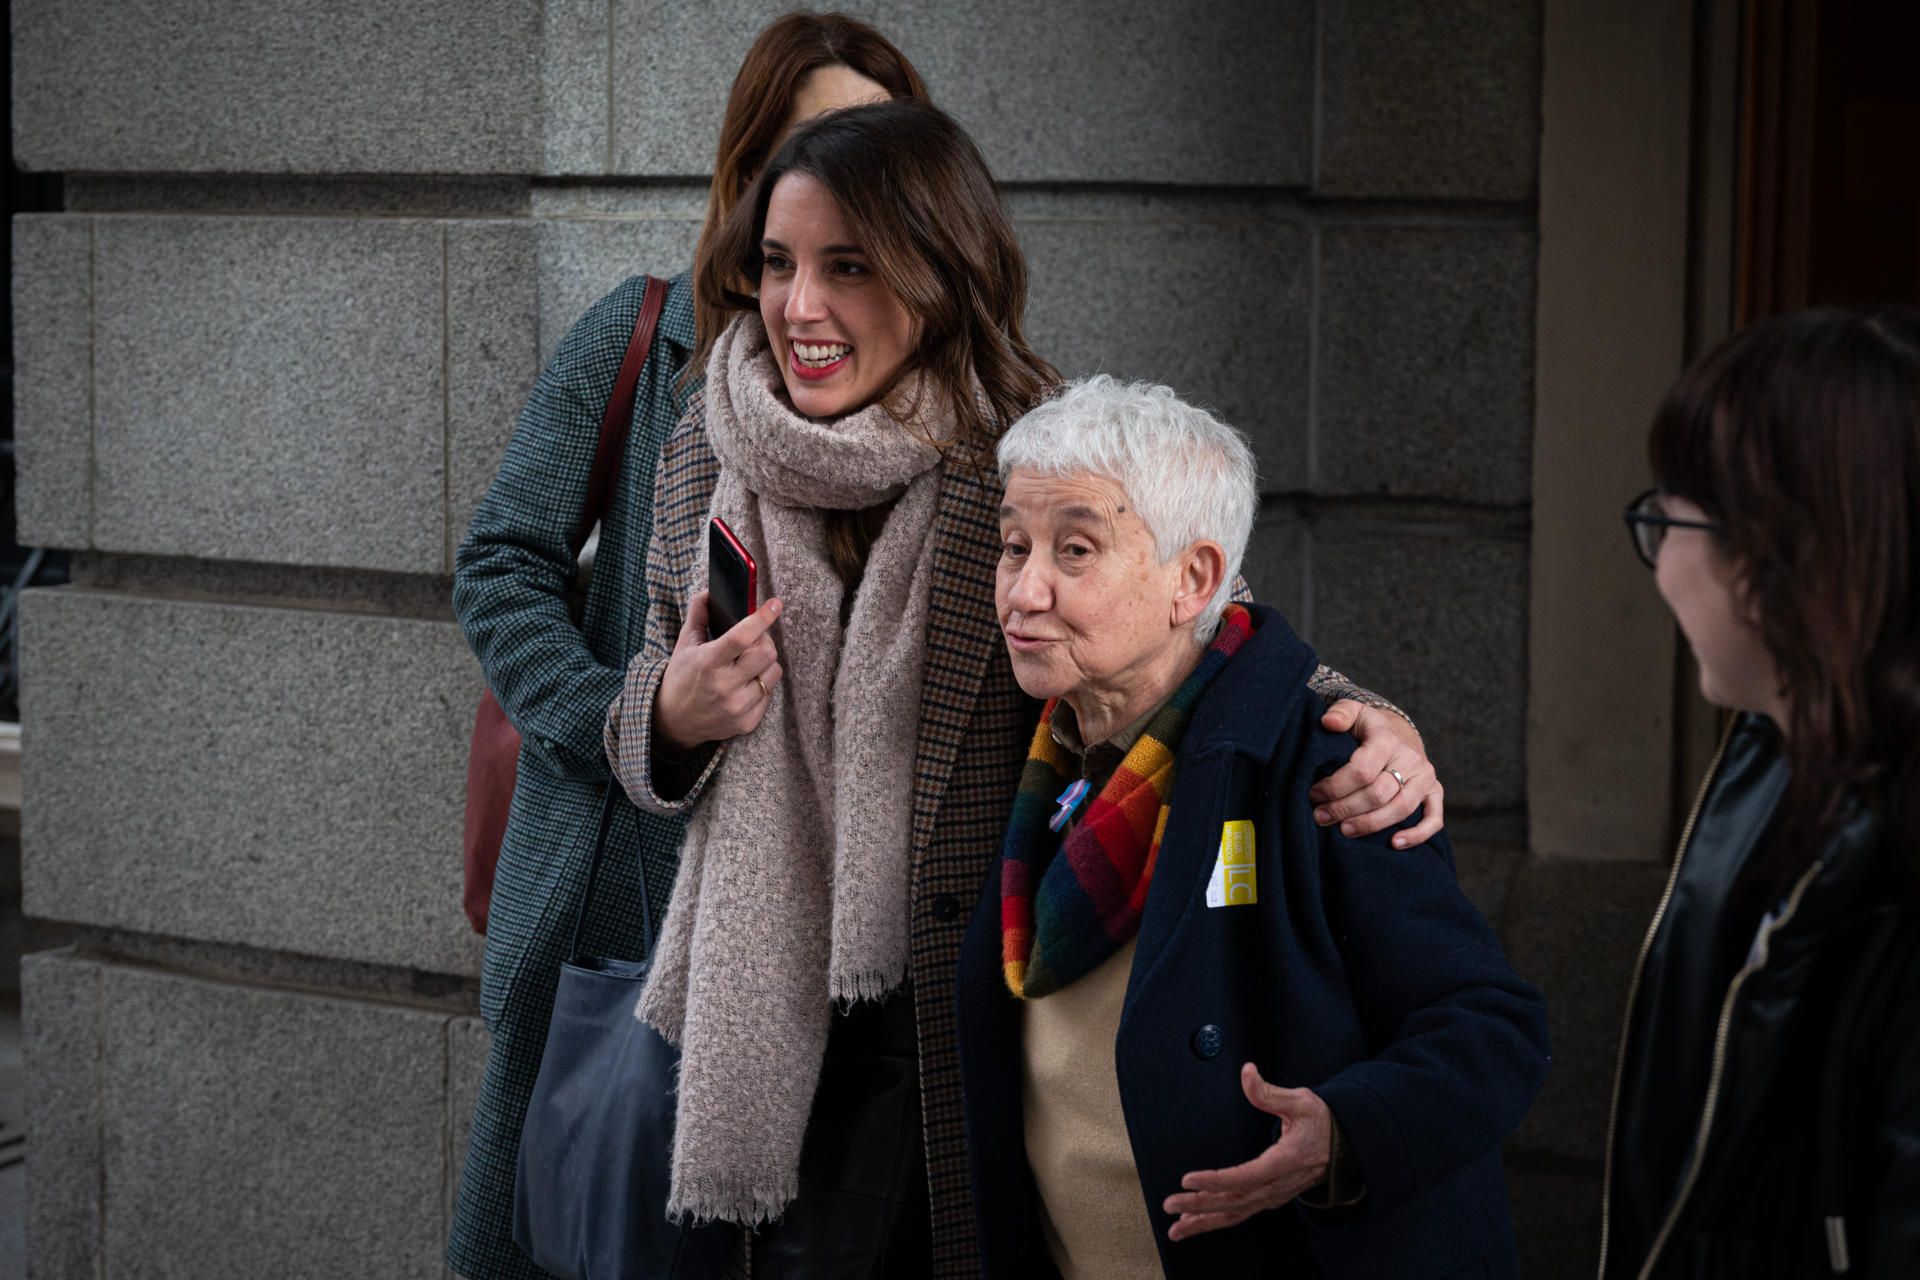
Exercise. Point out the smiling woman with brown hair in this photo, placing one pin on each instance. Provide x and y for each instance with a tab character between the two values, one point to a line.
801	66
855	753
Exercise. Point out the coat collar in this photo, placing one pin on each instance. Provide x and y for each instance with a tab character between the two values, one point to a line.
676	318
1250	704
963	635
1850	884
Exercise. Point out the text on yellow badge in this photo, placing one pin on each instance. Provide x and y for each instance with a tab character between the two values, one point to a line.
1234	882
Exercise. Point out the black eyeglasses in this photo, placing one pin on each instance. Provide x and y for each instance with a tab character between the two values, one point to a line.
1647	525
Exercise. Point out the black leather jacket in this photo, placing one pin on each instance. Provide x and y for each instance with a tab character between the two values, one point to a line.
1766	1114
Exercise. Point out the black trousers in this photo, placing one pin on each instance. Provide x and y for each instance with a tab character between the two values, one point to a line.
862	1213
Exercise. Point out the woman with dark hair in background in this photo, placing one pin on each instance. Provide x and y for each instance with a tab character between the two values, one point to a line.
846	772
555	676
1766	1120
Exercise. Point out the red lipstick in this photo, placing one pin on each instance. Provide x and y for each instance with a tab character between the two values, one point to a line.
812	374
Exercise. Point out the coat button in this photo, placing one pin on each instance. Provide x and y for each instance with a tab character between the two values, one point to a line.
946	907
1207	1041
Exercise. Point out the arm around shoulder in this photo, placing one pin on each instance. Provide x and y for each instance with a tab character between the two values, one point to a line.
1329	684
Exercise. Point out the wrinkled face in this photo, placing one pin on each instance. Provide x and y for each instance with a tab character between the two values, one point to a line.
830	88
1701	586
1083	601
839	334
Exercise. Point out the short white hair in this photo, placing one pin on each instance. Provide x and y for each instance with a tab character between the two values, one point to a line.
1190	476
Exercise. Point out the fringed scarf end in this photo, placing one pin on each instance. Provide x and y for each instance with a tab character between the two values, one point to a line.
668	1027
731	1199
849	989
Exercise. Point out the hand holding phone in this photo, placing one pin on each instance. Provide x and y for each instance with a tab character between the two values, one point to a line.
720	678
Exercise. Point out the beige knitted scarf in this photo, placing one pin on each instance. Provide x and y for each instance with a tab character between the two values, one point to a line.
794	878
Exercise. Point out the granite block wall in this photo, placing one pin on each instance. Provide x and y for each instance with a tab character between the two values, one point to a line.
282	778
311	258
312	86
190	1126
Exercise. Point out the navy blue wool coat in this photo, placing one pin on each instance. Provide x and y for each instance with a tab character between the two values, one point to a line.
1361	972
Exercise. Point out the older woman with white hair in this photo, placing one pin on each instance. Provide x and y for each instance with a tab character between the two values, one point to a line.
1202	1034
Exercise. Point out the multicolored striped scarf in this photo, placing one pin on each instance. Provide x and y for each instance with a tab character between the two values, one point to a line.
1064	908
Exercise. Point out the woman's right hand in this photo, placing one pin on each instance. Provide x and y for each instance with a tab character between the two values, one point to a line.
717	689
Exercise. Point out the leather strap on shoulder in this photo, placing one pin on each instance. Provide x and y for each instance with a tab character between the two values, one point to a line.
617	419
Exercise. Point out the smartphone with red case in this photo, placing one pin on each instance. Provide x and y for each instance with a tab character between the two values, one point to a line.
732	579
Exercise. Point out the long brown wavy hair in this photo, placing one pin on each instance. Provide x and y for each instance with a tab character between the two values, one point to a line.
1800	435
923	206
783	55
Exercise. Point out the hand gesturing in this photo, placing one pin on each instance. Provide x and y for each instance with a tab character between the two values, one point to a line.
1217	1198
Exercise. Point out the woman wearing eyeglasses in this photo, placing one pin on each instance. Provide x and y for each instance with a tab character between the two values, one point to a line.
1766	1117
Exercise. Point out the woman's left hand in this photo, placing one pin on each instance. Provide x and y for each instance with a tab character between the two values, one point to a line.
1217	1198
1364	796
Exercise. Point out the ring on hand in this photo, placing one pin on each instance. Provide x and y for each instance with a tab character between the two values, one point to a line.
763	686
1398	776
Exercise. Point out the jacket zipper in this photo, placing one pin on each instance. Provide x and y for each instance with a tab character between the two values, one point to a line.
1633	987
1720	1062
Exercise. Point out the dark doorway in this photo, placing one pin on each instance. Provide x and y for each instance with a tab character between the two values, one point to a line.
1830	189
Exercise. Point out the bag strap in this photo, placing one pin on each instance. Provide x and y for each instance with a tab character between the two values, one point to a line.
617	419
616	422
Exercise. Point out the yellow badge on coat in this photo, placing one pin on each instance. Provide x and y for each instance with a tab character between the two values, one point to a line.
1234	882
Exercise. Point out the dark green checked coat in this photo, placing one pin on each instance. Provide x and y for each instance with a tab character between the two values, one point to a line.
555	681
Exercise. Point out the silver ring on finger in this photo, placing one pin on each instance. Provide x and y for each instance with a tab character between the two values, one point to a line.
1398	776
